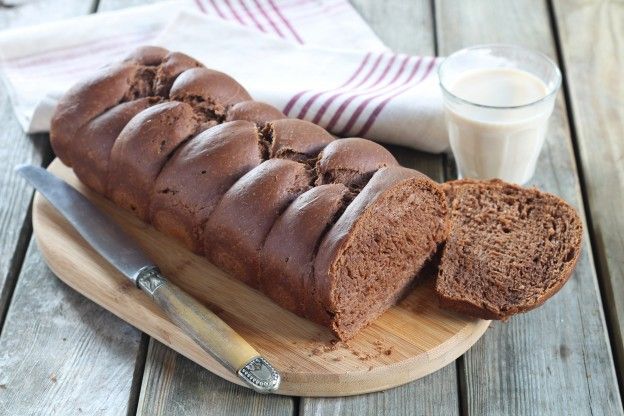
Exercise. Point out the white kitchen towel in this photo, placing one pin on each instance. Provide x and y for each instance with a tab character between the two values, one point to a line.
292	54
391	98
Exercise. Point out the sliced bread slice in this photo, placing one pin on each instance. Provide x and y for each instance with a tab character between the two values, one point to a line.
370	257
509	248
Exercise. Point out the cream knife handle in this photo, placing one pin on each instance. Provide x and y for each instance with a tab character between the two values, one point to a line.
210	332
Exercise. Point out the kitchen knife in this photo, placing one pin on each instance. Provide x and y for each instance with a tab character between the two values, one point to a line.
208	330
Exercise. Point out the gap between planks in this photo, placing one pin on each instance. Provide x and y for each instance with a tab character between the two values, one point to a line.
615	337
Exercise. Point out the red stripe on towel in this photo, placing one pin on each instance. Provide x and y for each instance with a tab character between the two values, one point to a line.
380	107
285	21
321	111
296	97
200	6
353	96
97	57
293	101
234	13
215	6
384	90
268	19
251	16
75	51
311	100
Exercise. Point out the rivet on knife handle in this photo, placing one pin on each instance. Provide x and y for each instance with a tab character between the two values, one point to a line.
209	331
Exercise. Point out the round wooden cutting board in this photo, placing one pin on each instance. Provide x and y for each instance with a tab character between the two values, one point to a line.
409	341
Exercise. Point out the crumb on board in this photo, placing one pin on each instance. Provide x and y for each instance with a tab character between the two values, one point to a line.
320	350
379	349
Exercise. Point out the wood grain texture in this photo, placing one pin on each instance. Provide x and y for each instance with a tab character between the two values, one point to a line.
431	395
61	354
175	385
16	147
594	60
557	359
405	27
412	339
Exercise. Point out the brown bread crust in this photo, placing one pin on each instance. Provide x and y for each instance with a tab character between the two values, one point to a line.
192	183
148	72
295	139
92	145
87	100
147	55
172	65
141	150
254	111
209	91
240	222
352	162
287	263
523	251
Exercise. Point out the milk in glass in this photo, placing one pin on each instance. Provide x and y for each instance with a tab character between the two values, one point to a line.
497	117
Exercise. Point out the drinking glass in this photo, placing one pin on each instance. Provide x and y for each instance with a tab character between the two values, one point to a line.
495	137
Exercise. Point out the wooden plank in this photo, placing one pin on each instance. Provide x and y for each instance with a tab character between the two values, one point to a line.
174	385
555	360
405	27
16	148
15	229
435	394
61	353
594	58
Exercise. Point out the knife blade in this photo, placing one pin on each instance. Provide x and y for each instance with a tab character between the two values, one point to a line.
211	333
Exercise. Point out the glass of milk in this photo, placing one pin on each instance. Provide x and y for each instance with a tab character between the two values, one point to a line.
498	99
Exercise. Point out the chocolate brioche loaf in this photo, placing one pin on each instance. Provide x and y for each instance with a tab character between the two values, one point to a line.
333	230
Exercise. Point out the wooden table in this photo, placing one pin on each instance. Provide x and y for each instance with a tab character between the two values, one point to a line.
61	354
